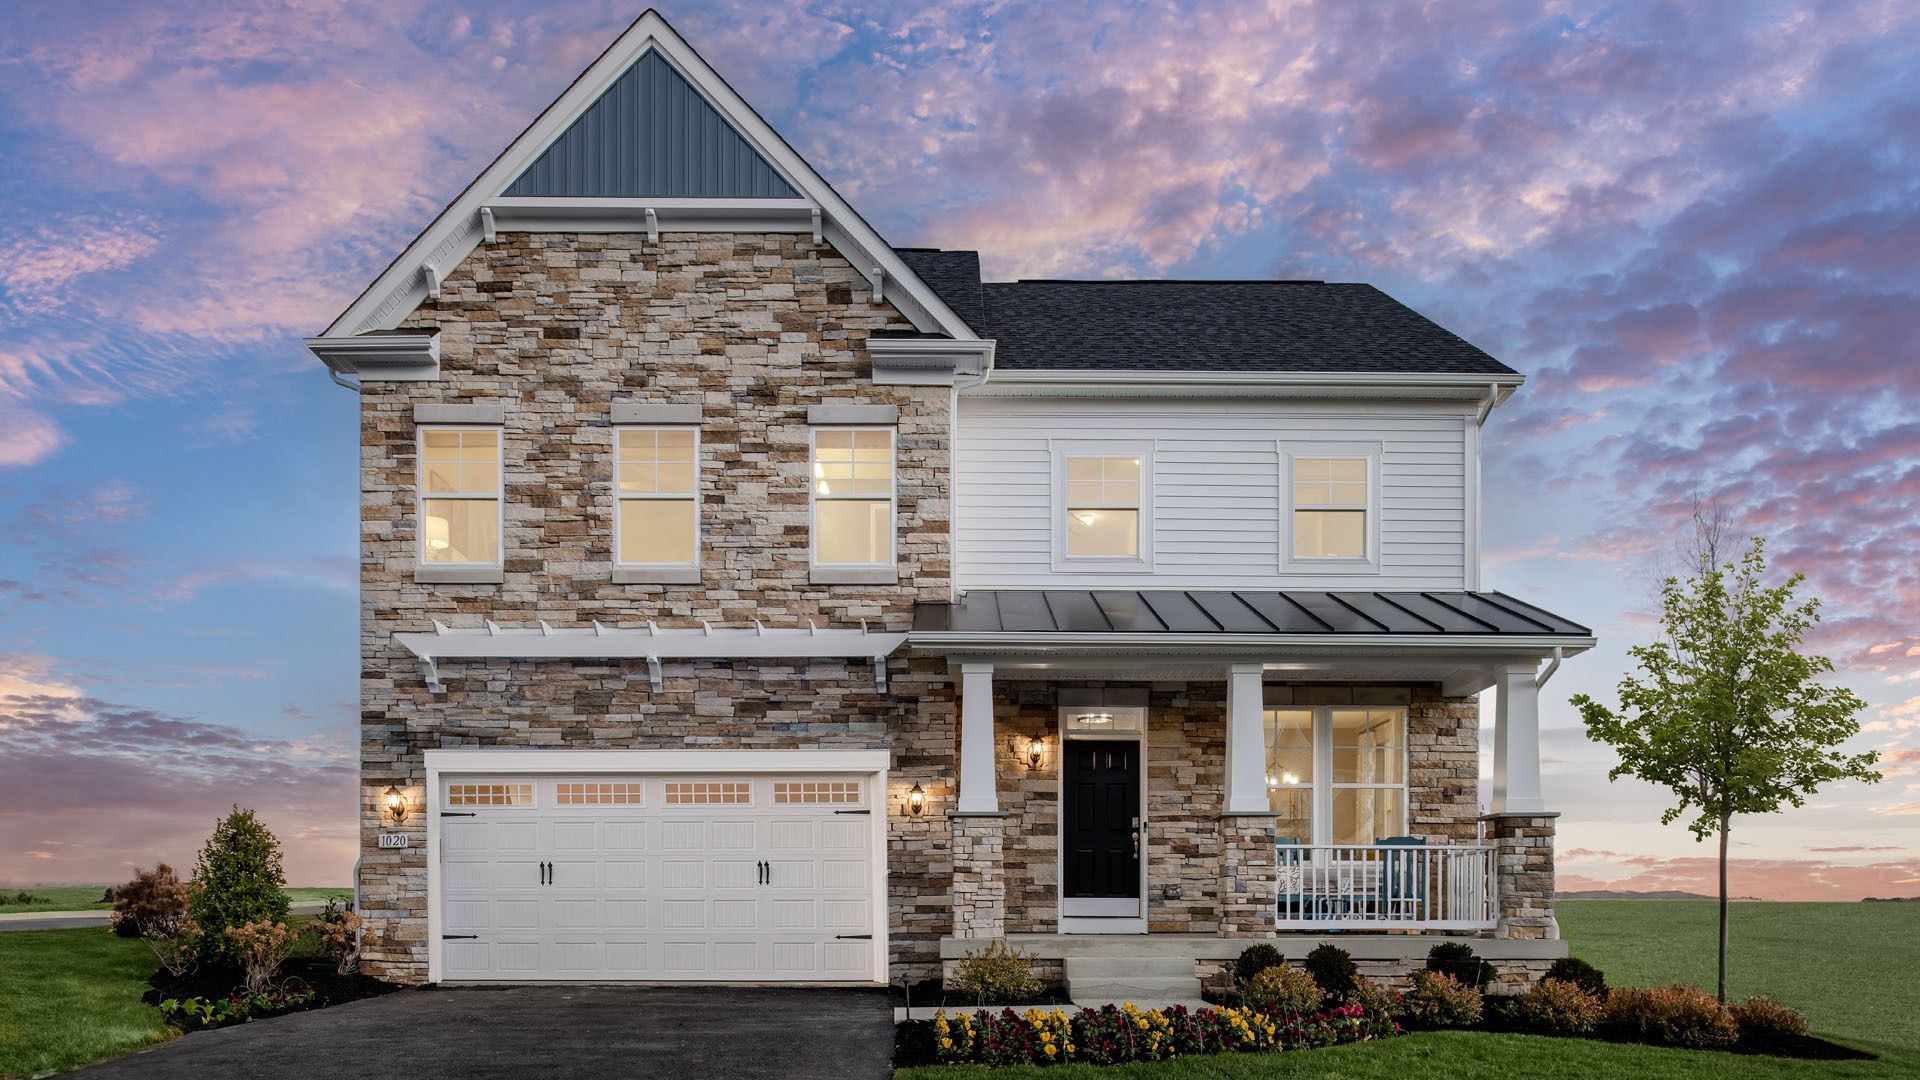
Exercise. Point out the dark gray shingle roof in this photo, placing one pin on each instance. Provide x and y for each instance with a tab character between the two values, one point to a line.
1242	611
954	276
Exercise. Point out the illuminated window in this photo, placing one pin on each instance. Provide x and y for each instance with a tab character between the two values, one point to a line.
460	496
597	794
658	496
1337	776
853	497
489	794
815	792
1103	507
1330	508
709	793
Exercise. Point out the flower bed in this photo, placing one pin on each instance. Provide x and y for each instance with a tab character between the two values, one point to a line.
216	996
1113	1035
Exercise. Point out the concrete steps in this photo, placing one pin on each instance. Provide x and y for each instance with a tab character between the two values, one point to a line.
1100	980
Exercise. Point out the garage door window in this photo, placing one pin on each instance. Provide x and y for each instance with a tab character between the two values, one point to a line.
709	793
609	794
816	792
489	794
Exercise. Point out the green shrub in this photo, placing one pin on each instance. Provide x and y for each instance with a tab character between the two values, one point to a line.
154	902
1286	989
996	975
1554	1007
1574	970
1458	960
1376	999
1254	960
1760	1018
1439	1000
1333	970
237	880
1674	1015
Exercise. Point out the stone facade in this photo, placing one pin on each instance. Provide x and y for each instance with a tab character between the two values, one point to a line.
979	876
1249	869
557	328
1523	846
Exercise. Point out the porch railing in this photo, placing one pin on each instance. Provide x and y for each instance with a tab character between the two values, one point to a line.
1387	887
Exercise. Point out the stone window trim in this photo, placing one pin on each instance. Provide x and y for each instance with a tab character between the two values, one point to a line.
1292	452
853	415
435	412
645	412
1064	452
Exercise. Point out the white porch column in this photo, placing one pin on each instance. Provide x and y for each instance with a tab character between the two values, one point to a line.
1246	741
978	792
1516	742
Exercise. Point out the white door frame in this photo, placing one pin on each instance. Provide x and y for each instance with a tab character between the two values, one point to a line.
1084	921
441	764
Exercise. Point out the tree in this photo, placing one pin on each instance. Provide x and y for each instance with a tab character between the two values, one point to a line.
1726	711
236	880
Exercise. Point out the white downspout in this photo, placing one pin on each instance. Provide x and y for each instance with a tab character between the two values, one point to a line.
341	380
955	592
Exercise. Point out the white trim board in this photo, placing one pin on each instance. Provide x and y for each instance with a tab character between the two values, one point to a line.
462	226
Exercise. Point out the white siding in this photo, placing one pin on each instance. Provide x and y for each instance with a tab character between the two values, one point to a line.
1217	496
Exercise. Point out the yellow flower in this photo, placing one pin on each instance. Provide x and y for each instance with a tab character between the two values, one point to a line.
1050	1050
946	1044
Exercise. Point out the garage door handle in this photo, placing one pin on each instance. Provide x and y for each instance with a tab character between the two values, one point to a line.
762	871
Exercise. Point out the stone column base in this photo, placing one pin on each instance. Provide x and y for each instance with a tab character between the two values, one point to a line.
1249	876
979	875
1523	856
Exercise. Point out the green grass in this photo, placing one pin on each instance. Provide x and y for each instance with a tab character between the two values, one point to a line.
68	997
1848	967
87	897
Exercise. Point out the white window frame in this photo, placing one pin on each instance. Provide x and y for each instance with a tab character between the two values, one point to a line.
421	495
1064	449
1323	786
1292	563
699	504
893	502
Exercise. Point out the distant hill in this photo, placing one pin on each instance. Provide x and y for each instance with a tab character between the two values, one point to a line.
1623	894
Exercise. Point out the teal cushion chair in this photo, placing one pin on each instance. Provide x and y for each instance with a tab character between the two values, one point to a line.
1403	878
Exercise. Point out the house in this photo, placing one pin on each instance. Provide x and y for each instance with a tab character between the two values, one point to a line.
745	598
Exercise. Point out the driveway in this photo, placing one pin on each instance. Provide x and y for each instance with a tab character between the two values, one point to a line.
548	1032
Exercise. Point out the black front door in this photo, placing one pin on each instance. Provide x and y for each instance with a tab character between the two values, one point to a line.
1102	825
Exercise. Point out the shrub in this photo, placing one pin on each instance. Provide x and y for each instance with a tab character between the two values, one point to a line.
1761	1018
1574	970
236	880
1285	989
262	948
1438	1000
1554	1007
996	975
1254	960
1458	960
176	945
155	900
1674	1015
1374	998
1333	970
337	929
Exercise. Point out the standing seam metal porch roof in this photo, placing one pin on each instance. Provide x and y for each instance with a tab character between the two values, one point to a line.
1240	611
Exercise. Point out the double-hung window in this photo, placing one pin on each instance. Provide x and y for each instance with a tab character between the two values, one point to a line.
1337	775
853	498
1102	506
1332	505
459	489
657	491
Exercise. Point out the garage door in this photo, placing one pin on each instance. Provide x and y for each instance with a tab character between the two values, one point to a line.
713	878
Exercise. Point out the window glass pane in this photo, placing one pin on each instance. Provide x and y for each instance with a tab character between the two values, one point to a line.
1308	493
1097	719
1083	468
833	439
676	444
1289	746
1347	469
852	531
1364	815
675	478
441	478
1330	534
1085	492
482	479
460	530
1308	468
1348	494
638	478
479	444
1369	746
1103	533
460	461
657	531
440	445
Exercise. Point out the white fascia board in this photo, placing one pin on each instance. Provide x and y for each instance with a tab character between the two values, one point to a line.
938	641
1063	383
459	228
557	215
928	361
399	357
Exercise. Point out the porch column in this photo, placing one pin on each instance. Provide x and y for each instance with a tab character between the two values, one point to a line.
1516	742
1249	865
978	794
1246	742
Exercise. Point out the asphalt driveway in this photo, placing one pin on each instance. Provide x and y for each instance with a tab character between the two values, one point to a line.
548	1032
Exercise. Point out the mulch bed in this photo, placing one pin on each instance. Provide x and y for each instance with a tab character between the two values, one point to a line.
931	994
215	981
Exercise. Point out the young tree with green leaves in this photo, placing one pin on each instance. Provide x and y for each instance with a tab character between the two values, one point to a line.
1726	711
237	880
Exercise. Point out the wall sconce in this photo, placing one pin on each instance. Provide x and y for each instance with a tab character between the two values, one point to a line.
1032	750
395	804
916	800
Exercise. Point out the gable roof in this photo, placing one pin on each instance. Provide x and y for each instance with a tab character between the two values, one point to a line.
1210	326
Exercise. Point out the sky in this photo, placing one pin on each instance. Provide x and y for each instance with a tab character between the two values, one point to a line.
1693	225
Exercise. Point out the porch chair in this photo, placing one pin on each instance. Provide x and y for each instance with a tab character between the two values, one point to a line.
1403	878
1296	901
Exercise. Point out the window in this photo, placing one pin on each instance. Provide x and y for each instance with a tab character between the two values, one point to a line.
814	792
853	497
657	496
1103	507
618	793
1329	508
460	496
708	793
1337	776
489	794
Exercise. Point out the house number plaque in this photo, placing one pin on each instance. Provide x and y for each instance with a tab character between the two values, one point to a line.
393	840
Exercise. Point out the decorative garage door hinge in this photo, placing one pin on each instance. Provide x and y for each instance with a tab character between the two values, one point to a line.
853	937
459	937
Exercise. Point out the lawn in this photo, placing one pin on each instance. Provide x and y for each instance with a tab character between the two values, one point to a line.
87	897
68	997
1847	966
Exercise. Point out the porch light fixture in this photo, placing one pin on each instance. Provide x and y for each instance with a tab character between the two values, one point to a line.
1033	752
1095	718
916	800
395	803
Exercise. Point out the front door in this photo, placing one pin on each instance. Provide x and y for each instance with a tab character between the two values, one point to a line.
1101	828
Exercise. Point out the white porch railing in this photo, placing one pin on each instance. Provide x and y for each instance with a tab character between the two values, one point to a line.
1387	887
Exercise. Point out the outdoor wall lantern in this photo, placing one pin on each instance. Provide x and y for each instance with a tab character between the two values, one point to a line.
395	802
1033	750
916	800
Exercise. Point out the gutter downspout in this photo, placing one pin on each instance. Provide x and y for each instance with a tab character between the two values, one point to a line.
1553	665
341	380
955	592
1486	407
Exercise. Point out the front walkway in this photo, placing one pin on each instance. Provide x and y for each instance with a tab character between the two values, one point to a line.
550	1032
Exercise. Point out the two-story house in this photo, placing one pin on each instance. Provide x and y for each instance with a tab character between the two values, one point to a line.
744	598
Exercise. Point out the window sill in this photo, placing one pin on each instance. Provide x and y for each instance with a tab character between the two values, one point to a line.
1330	566
656	575
459	575
1089	564
854	575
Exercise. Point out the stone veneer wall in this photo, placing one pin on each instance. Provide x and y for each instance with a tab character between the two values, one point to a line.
754	328
1523	846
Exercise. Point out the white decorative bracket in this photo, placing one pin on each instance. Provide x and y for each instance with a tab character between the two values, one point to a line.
653	226
880	674
432	273
486	224
817	235
431	669
879	277
655	676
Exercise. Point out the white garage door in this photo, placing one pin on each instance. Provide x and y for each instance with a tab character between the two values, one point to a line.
766	878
